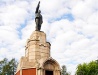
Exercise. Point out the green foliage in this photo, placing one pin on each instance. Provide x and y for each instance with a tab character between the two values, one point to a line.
87	68
64	71
8	67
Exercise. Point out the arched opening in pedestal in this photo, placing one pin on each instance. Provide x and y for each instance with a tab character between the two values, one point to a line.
47	72
51	67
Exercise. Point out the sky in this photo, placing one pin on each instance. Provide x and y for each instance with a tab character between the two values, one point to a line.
71	27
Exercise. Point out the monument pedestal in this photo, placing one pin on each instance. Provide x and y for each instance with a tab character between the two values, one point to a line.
37	60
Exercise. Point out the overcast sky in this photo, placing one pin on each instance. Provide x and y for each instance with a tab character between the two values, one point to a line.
71	27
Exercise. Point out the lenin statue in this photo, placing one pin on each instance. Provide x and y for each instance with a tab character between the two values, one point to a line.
38	18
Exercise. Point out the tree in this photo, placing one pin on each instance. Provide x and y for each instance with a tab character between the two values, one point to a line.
87	68
8	67
64	71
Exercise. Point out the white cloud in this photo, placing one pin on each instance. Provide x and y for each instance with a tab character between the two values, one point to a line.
72	42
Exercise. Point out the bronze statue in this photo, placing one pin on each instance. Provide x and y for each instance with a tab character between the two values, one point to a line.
38	18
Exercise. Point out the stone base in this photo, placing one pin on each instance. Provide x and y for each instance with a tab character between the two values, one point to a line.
37	60
40	68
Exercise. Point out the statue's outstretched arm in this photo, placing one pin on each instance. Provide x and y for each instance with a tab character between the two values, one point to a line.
37	8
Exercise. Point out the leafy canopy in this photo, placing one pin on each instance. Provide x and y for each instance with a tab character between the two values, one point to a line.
8	67
87	68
